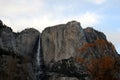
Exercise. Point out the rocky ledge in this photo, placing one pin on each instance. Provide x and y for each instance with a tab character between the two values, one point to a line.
65	52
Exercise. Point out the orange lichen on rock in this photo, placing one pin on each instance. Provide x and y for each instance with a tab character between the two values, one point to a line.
97	43
106	62
100	41
102	68
79	60
85	46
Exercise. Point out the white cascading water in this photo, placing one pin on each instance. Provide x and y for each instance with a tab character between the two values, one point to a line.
38	53
38	61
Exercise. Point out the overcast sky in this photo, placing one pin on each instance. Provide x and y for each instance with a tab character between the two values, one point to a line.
103	15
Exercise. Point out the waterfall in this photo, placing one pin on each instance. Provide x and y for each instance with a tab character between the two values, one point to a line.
38	53
38	62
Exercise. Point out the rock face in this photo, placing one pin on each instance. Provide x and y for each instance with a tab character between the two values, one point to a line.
18	53
73	53
64	52
60	42
11	41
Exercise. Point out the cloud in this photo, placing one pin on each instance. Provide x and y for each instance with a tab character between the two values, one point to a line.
16	7
20	14
97	1
113	37
90	19
37	22
43	20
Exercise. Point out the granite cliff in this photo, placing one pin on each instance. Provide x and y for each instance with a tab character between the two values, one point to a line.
18	53
61	52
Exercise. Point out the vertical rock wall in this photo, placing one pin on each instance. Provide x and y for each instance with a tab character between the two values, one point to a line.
61	41
18	54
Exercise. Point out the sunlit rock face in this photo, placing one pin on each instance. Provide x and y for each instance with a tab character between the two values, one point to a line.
61	41
60	52
71	52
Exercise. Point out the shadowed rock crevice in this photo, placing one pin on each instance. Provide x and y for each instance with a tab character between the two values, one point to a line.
92	35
